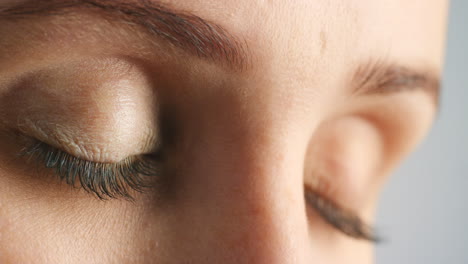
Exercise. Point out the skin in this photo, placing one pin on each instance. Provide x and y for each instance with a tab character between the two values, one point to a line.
247	140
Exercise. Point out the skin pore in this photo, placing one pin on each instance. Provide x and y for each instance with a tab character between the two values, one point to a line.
267	127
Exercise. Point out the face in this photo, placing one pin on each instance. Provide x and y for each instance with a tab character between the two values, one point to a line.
207	131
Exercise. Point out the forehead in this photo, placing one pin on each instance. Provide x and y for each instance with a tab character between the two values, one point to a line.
308	32
299	44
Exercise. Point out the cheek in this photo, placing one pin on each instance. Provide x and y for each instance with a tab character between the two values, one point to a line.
43	221
18	233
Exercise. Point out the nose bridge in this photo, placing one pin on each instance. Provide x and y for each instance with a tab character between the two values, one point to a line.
270	211
259	208
248	182
257	156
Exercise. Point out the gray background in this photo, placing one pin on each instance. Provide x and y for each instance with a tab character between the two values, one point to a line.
424	209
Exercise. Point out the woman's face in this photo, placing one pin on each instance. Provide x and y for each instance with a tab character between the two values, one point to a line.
243	131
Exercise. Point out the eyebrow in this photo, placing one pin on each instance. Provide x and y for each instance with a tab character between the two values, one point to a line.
208	40
381	77
197	36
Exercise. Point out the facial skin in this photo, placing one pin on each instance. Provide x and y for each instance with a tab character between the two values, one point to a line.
244	140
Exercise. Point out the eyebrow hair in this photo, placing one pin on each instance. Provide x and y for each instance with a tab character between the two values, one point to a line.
184	30
381	77
208	40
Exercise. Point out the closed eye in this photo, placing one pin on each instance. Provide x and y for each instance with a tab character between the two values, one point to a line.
104	180
339	218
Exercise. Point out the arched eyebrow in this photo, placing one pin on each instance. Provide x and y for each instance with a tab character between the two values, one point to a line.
197	36
381	77
208	40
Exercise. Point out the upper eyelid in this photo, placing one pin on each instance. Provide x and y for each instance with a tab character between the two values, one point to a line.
84	135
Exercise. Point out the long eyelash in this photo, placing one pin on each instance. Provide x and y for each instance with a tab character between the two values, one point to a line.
108	180
105	180
341	219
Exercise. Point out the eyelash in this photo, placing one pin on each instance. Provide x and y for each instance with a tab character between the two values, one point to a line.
104	180
339	218
113	181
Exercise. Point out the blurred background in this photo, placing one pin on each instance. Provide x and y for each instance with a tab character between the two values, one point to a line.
423	213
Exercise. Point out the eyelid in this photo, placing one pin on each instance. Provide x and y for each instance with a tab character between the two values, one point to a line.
343	220
104	180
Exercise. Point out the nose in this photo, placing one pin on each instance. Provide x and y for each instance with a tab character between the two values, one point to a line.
240	198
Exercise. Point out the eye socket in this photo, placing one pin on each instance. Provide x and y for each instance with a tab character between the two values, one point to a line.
354	150
104	180
342	159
